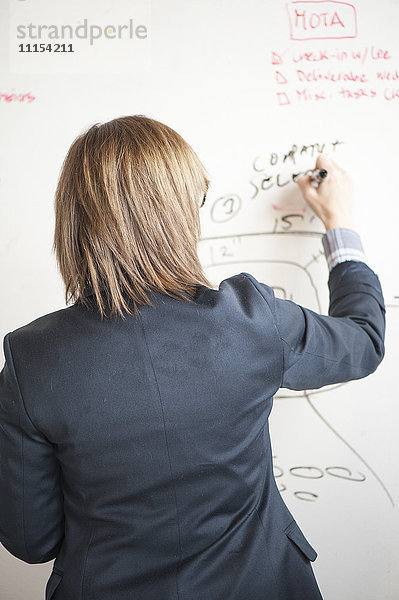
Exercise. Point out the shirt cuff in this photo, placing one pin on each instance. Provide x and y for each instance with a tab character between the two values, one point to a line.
342	244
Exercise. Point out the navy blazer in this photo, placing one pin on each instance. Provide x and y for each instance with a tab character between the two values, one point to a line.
136	451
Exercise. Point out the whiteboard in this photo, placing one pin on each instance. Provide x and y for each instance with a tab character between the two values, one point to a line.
258	88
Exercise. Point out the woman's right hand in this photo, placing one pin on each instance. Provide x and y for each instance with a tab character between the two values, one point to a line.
333	200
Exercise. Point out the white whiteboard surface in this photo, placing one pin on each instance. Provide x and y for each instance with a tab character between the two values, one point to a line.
258	88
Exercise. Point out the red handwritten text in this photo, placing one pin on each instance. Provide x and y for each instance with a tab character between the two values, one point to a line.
315	75
28	98
321	20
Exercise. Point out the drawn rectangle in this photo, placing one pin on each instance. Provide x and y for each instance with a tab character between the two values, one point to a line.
321	20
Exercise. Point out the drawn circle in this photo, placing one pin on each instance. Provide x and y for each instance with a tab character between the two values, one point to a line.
308	496
225	208
309	472
348	474
277	471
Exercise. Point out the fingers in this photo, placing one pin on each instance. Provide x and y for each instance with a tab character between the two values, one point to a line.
308	191
332	200
323	162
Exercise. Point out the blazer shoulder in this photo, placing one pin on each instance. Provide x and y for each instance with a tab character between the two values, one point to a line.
244	281
248	293
44	326
265	290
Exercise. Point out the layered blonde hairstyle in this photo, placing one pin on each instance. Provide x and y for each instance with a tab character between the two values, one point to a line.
127	215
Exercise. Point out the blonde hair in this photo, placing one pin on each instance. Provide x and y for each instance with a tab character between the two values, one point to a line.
127	215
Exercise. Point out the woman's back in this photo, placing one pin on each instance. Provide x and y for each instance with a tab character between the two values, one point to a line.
160	426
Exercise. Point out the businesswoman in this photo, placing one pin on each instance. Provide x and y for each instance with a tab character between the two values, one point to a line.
134	435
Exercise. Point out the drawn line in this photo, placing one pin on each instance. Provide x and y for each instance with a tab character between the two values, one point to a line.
314	259
301	233
335	432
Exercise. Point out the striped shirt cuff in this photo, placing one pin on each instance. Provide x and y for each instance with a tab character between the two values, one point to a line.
342	244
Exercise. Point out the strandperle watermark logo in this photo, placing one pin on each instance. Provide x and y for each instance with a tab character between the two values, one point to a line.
71	37
84	31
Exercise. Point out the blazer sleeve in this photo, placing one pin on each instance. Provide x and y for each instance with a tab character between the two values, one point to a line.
347	344
31	500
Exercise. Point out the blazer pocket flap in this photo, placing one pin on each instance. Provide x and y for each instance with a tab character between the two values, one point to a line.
294	533
52	584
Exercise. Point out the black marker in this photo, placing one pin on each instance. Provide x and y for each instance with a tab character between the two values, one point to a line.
317	176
